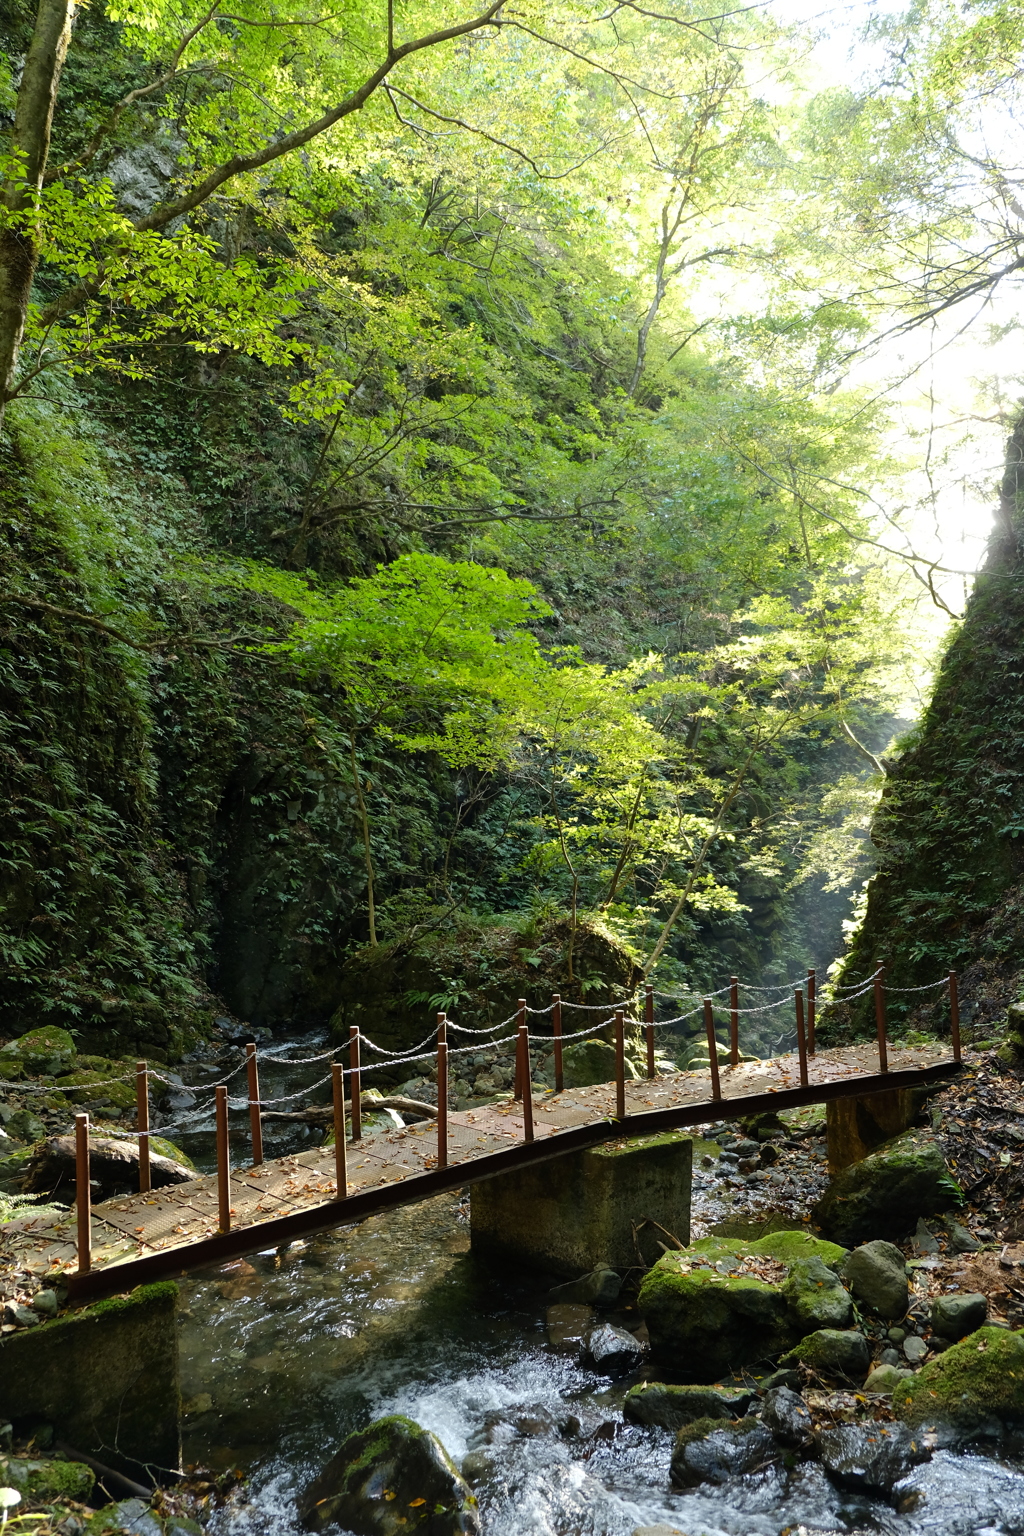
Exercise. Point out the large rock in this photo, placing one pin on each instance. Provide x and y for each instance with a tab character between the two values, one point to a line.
869	1458
708	1312
954	1317
612	1351
833	1352
787	1416
391	1479
816	1296
40	1481
44	1052
970	1384
887	1193
710	1452
113	1164
671	1407
877	1275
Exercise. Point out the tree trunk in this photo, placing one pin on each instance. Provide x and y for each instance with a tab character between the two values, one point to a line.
30	142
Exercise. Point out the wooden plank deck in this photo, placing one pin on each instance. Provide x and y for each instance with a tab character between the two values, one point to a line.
175	1229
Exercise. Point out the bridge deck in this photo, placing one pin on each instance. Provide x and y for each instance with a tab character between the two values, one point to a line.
174	1229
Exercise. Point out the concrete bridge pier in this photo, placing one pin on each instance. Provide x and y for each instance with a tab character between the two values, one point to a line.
608	1205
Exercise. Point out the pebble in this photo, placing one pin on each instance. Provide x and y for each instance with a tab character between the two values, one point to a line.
915	1349
888	1357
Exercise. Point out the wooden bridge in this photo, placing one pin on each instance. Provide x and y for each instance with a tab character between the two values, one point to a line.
167	1232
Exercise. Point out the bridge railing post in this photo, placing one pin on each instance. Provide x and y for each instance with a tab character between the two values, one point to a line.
556	1031
620	1065
442	1090
142	1124
954	1015
649	1027
223	1159
517	1090
523	1065
255	1115
812	1000
801	1038
340	1150
883	1055
734	1020
354	1085
709	1025
83	1194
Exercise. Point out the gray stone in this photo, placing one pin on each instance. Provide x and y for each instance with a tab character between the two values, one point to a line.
398	1455
896	1335
883	1379
832	1352
888	1192
960	1240
925	1241
707	1452
671	1407
612	1351
954	1317
26	1127
889	1357
876	1273
599	1287
915	1349
816	1296
45	1302
869	1458
787	1416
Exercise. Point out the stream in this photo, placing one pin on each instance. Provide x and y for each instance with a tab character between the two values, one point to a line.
289	1351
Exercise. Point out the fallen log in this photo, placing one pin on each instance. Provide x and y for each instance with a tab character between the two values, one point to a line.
113	1165
323	1114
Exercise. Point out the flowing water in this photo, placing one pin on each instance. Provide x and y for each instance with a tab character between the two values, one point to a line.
286	1353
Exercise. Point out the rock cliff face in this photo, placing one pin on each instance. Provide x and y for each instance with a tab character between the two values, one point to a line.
949	831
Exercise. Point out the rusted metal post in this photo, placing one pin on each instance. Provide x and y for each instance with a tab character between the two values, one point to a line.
734	1020
223	1160
523	1057
883	1055
340	1152
709	1025
954	1014
354	1087
556	1031
442	1091
83	1194
255	1116
801	1038
142	1124
649	1023
517	1090
620	1065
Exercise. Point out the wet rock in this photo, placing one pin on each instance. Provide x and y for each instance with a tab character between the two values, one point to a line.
391	1479
612	1351
787	1416
888	1191
876	1273
671	1407
954	1317
710	1452
884	1379
833	1352
816	1296
869	1458
658	1530
975	1381
600	1287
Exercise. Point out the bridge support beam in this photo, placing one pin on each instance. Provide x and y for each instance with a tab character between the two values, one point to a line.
856	1126
607	1205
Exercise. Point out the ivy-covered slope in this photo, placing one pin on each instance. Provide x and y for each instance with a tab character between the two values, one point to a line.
949	829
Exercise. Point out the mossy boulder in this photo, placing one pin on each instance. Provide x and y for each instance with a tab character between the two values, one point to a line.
592	1061
817	1297
888	1192
708	1312
14	1161
42	1052
113	1083
672	1407
40	1481
971	1383
833	1352
391	1479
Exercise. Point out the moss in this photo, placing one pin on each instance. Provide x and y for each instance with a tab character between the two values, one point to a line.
788	1247
704	1324
40	1482
701	1428
97	1088
164	1148
978	1379
833	1352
